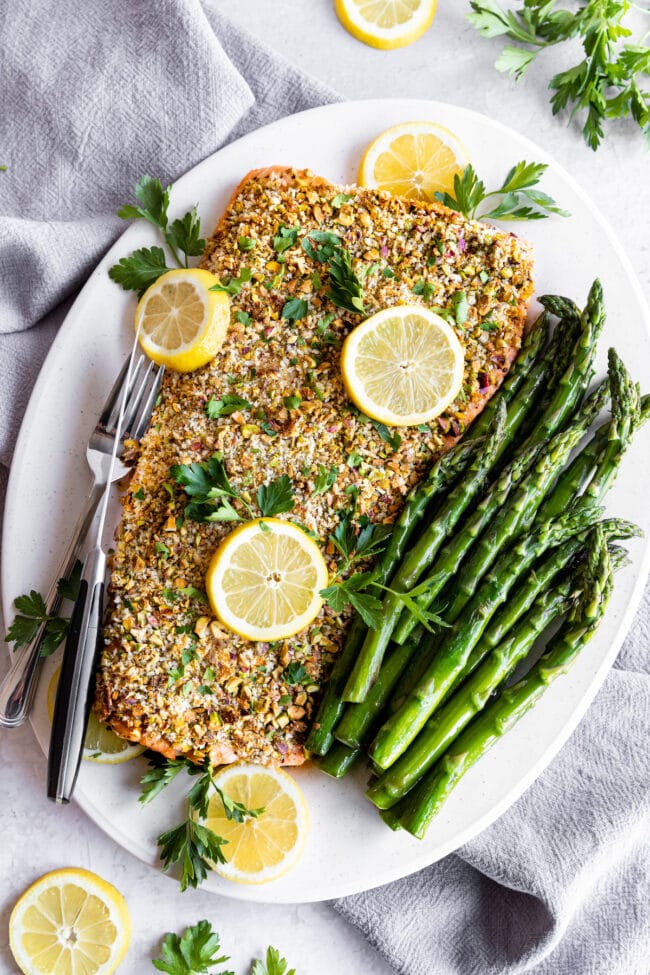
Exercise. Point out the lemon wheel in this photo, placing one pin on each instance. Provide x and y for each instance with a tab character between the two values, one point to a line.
403	366
264	580
264	847
70	922
386	24
414	159
181	323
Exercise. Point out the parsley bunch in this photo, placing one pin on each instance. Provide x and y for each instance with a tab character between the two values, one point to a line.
212	494
519	200
144	266
606	83
192	845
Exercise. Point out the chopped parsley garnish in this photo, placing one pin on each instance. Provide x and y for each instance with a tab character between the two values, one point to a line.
325	478
242	317
233	286
286	237
296	673
276	497
229	403
245	244
292	402
295	309
339	200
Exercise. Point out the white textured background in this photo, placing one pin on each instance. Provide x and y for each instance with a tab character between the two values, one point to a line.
451	63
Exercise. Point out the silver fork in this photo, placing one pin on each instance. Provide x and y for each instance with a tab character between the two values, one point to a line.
17	689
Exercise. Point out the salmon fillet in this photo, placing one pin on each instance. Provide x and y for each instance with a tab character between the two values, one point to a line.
170	676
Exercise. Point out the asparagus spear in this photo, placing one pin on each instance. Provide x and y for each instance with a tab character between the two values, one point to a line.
368	662
598	461
359	720
401	728
575	380
339	760
442	474
447	723
502	715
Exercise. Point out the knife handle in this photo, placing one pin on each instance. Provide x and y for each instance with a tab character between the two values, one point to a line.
74	691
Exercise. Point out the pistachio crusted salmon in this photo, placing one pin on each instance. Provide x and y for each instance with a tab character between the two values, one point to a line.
170	676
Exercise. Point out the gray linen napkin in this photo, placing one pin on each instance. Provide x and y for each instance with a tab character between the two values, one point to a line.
94	95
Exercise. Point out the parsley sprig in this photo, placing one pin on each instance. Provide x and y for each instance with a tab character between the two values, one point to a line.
32	613
212	494
519	198
183	236
355	542
345	287
198	950
193	953
190	843
607	83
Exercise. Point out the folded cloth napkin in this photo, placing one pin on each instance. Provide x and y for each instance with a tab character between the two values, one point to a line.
94	95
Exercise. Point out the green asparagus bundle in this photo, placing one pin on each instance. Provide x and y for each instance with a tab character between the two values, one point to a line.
498	717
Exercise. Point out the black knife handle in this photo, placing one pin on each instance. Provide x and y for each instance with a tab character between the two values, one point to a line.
74	691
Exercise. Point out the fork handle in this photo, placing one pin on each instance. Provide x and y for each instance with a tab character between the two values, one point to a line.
19	684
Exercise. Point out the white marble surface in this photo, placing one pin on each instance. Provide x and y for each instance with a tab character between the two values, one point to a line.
451	63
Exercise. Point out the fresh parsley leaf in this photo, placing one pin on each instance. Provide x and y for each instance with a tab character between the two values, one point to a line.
388	272
394	439
233	286
518	200
274	964
345	287
349	591
210	491
195	846
32	614
140	269
295	309
286	237
234	810
242	317
161	549
185	235
292	402
276	497
162	771
246	244
154	202
229	403
69	588
339	200
325	478
195	953
296	673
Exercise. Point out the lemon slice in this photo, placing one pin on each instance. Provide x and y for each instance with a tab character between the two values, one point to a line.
70	922
182	323
264	580
101	745
386	24
403	366
415	159
265	847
